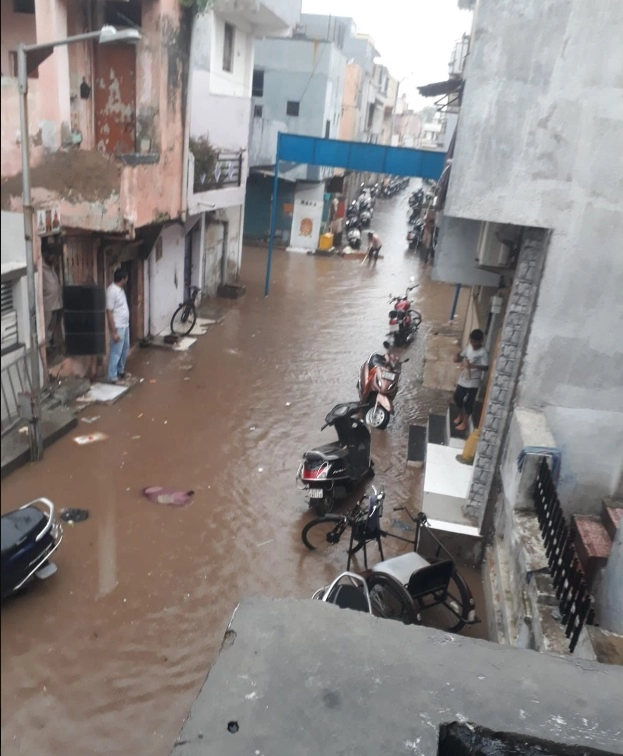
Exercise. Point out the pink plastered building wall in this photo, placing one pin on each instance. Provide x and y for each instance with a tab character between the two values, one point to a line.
146	188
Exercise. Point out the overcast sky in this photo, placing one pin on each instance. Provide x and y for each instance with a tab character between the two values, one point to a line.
415	37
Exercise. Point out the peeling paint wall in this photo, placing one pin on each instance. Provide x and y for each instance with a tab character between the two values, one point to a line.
150	187
55	113
11	141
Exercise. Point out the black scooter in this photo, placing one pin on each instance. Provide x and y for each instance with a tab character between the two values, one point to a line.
30	535
336	468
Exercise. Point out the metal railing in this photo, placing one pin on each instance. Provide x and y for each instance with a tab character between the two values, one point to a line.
223	170
574	599
15	381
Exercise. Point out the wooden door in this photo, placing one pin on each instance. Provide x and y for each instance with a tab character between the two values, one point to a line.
115	99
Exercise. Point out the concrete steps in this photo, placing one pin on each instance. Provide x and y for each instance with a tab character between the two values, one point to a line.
593	536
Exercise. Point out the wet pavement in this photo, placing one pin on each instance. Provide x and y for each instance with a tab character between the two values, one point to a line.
108	655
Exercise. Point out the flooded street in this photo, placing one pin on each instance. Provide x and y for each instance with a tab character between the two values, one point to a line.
108	655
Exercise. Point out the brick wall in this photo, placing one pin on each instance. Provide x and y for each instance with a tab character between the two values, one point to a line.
507	369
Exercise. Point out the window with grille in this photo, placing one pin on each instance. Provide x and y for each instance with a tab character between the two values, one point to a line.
228	48
9	318
258	83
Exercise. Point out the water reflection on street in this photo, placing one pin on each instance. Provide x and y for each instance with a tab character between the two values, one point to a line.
108	655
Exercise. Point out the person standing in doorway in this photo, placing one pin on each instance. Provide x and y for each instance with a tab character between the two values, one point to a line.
475	363
374	245
118	317
52	299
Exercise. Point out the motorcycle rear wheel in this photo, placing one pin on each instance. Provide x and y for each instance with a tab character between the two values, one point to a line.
323	506
377	417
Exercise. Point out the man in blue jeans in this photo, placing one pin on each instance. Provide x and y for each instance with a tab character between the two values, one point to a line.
118	317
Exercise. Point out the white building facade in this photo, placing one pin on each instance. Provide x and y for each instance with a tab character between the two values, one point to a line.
205	249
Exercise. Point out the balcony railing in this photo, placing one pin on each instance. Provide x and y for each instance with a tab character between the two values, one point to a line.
217	170
574	600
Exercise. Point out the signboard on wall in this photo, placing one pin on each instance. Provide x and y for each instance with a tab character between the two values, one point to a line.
307	217
49	221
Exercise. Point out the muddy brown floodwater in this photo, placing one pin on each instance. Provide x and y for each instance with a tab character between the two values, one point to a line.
107	656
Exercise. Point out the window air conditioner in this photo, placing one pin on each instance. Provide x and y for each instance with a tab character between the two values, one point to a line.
491	252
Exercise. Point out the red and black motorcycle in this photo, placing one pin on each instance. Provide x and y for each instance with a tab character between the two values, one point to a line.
403	319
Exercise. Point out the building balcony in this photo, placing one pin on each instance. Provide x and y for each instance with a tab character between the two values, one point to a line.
217	150
265	16
216	178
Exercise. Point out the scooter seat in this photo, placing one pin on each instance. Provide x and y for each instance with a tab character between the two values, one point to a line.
19	526
328	453
401	567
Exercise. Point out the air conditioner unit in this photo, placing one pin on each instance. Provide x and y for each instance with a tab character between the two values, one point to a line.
490	250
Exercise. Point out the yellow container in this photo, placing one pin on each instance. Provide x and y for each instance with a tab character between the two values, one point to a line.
326	241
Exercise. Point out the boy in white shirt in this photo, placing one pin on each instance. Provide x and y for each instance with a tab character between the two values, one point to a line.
475	363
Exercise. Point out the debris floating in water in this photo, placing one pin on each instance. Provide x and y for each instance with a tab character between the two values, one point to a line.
74	515
172	497
83	440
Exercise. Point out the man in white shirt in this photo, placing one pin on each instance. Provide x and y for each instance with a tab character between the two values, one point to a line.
118	317
52	299
475	363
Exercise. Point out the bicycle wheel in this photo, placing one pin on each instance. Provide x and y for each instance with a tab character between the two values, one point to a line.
448	612
416	318
390	600
324	533
183	320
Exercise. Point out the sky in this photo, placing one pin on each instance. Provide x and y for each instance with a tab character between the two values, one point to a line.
415	37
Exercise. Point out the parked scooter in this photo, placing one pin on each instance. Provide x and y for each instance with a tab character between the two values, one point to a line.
365	217
378	386
30	535
403	319
414	237
336	468
353	233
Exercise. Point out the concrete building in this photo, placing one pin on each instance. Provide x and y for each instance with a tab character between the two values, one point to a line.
533	223
298	85
350	120
138	152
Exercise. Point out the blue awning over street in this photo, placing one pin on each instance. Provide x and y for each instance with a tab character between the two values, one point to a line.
352	156
360	156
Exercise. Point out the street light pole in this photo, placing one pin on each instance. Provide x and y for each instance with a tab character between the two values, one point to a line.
108	34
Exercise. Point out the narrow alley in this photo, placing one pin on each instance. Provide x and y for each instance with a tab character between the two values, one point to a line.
108	655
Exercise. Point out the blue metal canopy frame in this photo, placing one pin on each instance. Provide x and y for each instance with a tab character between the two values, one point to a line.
353	156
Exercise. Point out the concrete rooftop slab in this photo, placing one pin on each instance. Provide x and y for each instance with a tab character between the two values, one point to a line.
303	677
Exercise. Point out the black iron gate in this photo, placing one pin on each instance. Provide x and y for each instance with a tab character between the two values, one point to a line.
574	600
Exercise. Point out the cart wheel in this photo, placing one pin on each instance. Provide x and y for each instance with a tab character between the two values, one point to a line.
390	600
449	612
